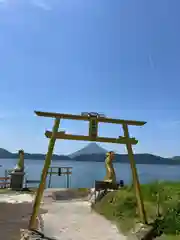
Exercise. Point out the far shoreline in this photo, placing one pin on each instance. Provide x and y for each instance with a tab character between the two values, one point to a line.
74	160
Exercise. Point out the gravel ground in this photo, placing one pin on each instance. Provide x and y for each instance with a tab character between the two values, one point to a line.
14	217
74	220
15	212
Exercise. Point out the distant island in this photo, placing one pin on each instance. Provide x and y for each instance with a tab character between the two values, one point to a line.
94	153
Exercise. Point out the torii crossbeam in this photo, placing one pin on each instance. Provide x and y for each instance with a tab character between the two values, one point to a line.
94	119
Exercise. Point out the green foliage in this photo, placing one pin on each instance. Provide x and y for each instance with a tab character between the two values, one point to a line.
170	224
80	189
120	206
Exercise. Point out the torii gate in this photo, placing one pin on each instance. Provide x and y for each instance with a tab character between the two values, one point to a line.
94	119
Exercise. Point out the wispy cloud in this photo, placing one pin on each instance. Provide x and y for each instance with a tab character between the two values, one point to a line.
41	4
4	3
168	124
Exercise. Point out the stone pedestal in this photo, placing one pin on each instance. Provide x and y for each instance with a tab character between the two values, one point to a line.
17	180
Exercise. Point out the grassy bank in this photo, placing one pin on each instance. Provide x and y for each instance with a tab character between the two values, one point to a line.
159	198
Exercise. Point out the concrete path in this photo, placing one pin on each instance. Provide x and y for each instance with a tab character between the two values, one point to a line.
74	220
69	219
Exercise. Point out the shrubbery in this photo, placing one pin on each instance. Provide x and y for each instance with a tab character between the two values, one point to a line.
160	198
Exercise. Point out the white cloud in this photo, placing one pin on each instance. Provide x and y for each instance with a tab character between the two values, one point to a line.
168	124
41	4
4	3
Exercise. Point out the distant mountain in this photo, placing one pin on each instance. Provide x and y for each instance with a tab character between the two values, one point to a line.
94	153
4	153
40	156
176	158
34	156
92	148
123	158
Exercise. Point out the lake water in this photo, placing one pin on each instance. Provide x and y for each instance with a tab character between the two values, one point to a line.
84	173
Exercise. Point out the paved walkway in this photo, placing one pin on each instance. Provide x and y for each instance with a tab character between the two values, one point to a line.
74	220
65	219
15	212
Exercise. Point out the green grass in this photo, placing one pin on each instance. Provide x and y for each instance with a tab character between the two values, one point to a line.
9	191
78	192
168	237
82	190
5	190
120	207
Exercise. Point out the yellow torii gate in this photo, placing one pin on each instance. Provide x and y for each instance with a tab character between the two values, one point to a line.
94	119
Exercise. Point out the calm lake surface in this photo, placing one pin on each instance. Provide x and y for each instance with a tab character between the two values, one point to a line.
84	173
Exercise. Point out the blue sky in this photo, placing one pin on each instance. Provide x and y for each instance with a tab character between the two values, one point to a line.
120	58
